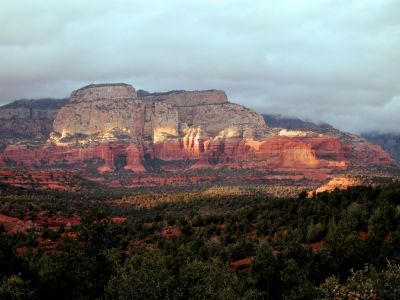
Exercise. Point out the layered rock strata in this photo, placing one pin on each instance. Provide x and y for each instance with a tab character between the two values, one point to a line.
112	128
112	111
101	110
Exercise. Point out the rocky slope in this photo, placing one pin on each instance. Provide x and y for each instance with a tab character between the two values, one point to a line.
28	120
390	142
121	137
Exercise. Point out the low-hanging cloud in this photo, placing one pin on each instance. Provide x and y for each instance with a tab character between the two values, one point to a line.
328	60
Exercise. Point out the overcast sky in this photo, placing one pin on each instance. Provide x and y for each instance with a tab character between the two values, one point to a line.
336	61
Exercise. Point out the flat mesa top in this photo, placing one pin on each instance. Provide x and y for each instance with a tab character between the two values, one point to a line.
94	92
146	93
102	85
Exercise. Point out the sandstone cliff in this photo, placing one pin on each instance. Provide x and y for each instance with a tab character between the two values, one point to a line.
107	112
103	110
112	129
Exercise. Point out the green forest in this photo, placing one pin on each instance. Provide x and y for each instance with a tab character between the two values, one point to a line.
337	245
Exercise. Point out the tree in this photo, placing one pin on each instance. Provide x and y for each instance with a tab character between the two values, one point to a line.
265	272
146	276
14	288
388	285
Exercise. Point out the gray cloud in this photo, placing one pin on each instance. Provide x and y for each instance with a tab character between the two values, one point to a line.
327	60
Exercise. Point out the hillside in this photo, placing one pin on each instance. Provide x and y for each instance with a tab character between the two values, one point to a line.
388	141
190	246
293	123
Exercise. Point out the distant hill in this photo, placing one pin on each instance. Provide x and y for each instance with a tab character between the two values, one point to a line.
293	123
45	103
388	141
28	119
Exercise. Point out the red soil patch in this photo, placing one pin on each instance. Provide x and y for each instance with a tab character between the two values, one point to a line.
240	264
170	232
71	235
44	180
118	220
276	253
48	245
13	225
25	250
57	221
44	242
6	172
387	238
114	183
363	235
215	239
315	247
171	180
133	244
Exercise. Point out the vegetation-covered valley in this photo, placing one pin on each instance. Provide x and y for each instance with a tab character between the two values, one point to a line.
337	245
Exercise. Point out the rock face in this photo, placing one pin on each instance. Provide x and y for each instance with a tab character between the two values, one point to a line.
340	183
185	98
101	110
111	128
108	112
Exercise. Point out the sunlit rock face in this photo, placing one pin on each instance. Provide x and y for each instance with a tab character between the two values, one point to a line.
341	183
173	126
164	121
208	111
227	118
177	123
101	110
109	112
